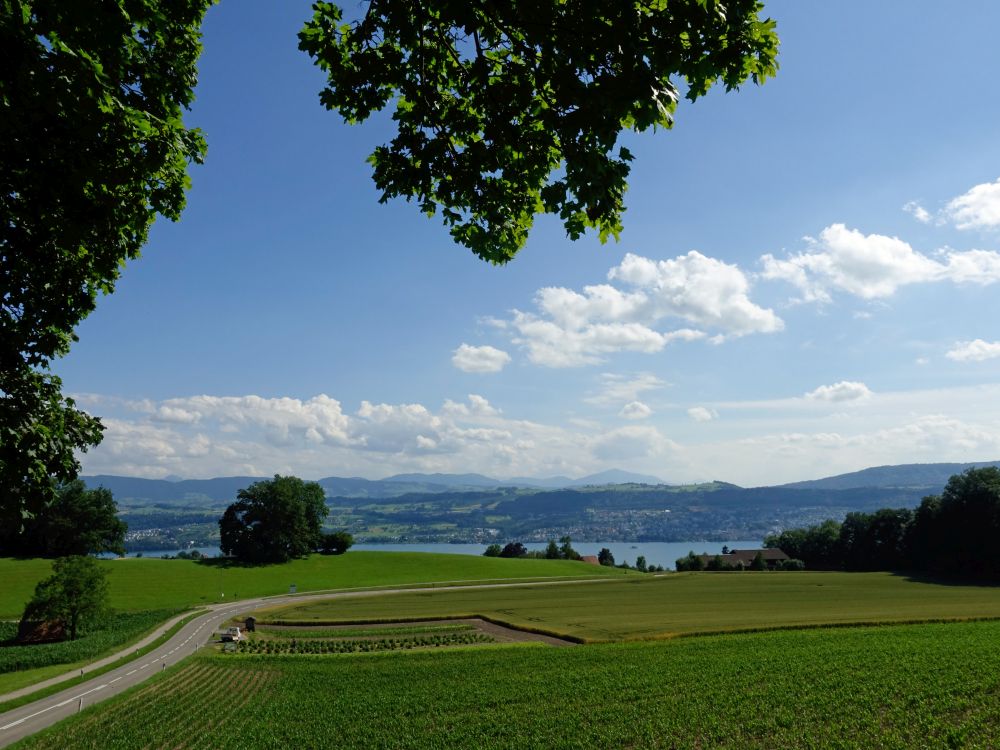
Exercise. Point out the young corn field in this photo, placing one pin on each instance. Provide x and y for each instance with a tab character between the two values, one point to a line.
934	685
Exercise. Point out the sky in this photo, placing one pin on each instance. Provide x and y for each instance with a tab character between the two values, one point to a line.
808	282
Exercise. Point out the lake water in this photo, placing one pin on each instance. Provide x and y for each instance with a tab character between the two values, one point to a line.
656	553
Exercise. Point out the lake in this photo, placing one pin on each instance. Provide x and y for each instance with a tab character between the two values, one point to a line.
656	553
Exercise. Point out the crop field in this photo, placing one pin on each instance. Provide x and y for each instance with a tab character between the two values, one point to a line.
303	632
144	584
361	645
644	606
889	687
307	640
17	660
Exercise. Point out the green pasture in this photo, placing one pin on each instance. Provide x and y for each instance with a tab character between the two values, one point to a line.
918	686
644	606
144	584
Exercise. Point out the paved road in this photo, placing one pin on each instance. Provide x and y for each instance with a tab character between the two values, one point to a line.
35	716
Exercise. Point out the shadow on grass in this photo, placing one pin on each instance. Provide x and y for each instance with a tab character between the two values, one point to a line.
919	576
232	562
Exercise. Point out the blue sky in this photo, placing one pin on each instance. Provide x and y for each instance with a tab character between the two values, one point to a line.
808	282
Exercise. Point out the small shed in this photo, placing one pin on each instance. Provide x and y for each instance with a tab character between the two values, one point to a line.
591	559
250	624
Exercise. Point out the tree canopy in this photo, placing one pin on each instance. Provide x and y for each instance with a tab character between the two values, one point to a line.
507	110
77	521
76	595
335	543
274	521
94	147
954	533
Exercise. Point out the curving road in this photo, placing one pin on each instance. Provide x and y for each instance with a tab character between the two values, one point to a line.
37	715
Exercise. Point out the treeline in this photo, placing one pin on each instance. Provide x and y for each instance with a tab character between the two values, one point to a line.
564	551
954	533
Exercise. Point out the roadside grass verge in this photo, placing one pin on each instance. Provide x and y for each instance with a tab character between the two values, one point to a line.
646	607
39	675
144	584
120	629
888	687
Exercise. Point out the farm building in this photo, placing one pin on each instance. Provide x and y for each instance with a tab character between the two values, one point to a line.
773	557
592	559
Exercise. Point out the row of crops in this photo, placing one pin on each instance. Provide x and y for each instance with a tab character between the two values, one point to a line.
117	630
191	708
348	632
887	687
358	645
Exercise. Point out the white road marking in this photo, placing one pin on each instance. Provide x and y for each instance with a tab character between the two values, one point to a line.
57	705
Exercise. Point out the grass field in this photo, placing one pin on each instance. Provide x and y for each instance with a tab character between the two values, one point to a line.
649	607
889	687
143	584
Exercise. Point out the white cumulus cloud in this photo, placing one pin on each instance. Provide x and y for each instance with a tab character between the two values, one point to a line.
702	414
979	208
479	358
571	328
845	390
974	351
703	291
918	212
616	388
873	266
635	410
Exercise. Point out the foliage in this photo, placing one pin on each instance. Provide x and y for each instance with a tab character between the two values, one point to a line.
792	564
359	645
566	551
604	557
273	521
336	543
91	96
955	533
716	563
690	562
552	550
876	541
640	564
504	111
117	630
346	632
900	687
818	546
758	562
39	431
513	549
493	550
75	596
958	531
77	521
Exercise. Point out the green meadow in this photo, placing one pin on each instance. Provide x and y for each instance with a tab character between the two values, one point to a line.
644	606
144	584
888	687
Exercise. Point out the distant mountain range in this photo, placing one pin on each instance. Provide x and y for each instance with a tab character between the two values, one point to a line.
914	479
932	477
176	491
